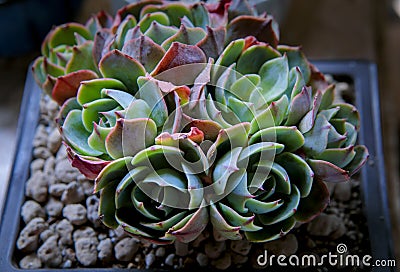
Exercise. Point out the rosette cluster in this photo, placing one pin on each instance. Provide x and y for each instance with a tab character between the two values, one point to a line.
195	117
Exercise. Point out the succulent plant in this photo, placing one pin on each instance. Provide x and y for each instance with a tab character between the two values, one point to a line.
180	132
144	30
67	57
248	163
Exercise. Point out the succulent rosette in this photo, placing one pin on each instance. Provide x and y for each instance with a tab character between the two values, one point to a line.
67	57
196	117
233	159
144	30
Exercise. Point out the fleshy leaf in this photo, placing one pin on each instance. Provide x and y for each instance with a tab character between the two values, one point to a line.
76	135
253	58
107	205
312	205
264	29
328	172
273	232
298	170
117	65
145	51
193	228
130	136
67	86
359	160
221	226
290	137
179	54
274	78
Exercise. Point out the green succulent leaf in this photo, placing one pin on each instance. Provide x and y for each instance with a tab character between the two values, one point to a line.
274	78
286	210
298	170
253	58
221	226
76	135
116	170
272	232
107	205
290	137
122	67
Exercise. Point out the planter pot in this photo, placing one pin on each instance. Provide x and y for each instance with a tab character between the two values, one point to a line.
373	184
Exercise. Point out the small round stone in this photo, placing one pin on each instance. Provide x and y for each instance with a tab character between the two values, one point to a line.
37	165
160	252
86	250
287	245
28	239
327	225
242	247
54	207
30	210
73	193
202	259
84	232
41	152
223	262
214	249
149	260
75	213
170	259
104	249
181	249
64	228
126	249
36	187
49	253
31	261
54	141
92	206
65	172
57	189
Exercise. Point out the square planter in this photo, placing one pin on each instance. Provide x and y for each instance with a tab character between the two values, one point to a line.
373	183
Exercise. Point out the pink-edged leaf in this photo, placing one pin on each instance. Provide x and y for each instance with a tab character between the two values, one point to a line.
193	227
317	79
264	29
299	106
126	69
133	9
359	160
179	54
128	137
67	86
222	226
210	128
213	43
312	205
88	166
102	40
308	120
64	34
328	172
143	49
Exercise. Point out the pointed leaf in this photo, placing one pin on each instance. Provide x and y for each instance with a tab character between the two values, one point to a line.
328	172
298	170
118	65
